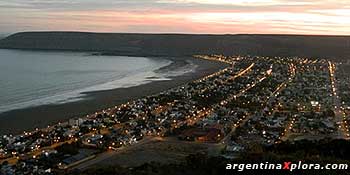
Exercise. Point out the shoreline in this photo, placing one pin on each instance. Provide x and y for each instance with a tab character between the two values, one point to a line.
17	121
62	91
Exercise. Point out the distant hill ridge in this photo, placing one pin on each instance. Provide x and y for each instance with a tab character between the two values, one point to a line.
182	44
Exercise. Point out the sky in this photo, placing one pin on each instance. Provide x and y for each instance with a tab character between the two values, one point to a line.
322	17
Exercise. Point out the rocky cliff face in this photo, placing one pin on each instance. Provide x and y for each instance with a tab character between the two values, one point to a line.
182	44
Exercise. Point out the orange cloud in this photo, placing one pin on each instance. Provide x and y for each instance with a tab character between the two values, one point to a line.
329	17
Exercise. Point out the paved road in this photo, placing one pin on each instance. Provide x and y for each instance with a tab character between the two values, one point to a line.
339	112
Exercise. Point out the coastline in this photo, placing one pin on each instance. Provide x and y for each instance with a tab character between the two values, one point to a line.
16	121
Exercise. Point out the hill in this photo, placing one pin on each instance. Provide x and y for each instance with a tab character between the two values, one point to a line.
182	44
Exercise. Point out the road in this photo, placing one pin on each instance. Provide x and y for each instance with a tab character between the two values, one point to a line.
340	115
246	118
108	154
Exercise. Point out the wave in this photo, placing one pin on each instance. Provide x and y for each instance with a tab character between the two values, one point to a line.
125	81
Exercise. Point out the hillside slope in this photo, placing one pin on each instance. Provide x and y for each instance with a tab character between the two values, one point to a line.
182	44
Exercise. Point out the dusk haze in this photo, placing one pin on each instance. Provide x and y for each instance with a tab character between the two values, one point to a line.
174	87
323	17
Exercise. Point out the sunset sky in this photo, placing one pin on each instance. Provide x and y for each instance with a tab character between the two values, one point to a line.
326	17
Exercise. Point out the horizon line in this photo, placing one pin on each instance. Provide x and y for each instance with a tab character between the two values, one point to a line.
172	33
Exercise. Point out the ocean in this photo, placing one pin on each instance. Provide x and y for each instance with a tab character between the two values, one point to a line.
34	78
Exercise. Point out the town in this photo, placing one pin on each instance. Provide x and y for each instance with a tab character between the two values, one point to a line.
255	100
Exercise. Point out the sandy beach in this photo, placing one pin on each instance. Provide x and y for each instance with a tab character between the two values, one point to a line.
16	121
